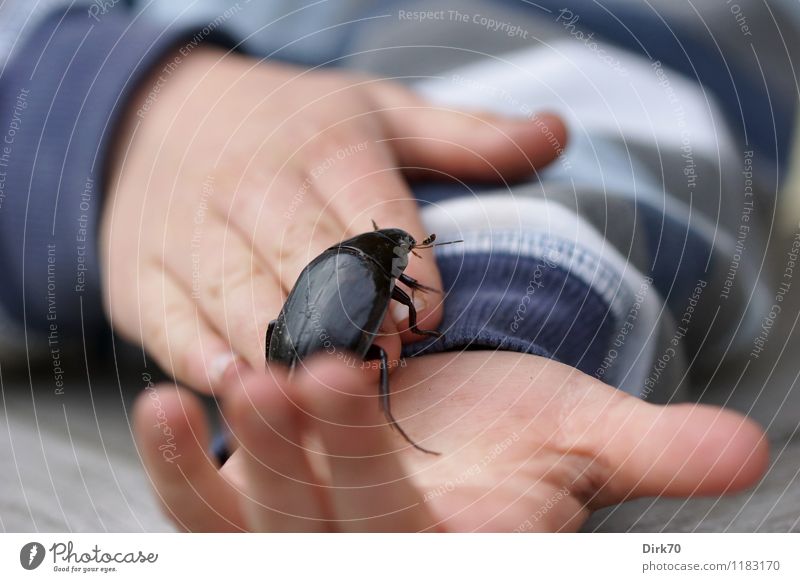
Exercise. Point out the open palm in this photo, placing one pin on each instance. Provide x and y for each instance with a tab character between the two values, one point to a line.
526	444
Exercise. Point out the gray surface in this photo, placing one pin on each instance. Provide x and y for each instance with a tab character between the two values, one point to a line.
69	462
766	390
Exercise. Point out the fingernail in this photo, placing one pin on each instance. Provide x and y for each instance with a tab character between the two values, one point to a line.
400	311
220	366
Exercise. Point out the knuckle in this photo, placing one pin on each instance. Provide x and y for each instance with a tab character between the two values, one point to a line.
235	201
212	276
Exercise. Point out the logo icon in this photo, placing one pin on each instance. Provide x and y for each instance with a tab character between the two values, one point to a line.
31	555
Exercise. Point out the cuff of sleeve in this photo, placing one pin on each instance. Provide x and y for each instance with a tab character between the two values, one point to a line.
526	301
61	99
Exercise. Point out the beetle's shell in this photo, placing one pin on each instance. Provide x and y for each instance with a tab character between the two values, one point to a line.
338	303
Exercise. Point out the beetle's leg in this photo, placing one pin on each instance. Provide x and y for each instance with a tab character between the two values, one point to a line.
414	284
374	224
376	352
401	296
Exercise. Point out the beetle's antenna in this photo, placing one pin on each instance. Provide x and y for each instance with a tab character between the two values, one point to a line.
427	246
374	224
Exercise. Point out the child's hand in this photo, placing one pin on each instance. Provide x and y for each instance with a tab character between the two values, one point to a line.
527	444
231	175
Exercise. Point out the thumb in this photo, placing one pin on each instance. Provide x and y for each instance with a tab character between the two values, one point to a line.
678	450
469	145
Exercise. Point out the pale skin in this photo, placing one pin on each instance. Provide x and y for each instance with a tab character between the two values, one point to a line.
237	173
526	444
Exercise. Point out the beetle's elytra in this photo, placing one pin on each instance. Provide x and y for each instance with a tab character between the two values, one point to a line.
339	302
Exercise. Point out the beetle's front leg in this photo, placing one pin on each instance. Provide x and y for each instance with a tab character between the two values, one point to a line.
416	285
376	352
401	296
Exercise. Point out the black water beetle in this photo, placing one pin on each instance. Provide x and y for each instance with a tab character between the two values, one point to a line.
340	300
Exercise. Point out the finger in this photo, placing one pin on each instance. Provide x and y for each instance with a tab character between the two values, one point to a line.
677	450
177	335
236	293
172	438
470	145
282	493
370	490
363	189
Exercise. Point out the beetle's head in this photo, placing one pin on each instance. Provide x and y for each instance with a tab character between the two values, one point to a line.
400	238
394	249
405	243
